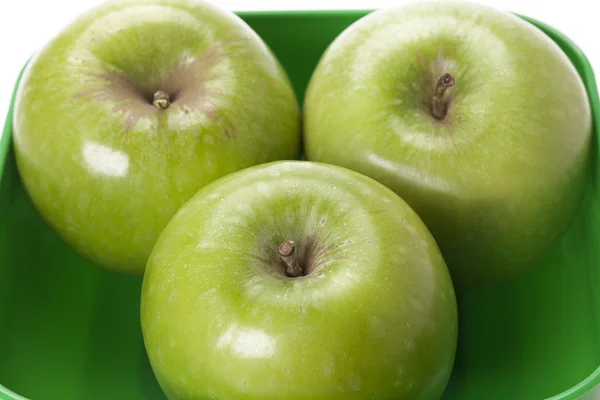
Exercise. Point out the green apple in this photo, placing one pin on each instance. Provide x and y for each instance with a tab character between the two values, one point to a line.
473	116
135	106
298	280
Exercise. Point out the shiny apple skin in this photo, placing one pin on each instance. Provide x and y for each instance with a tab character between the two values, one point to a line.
376	318
499	179
105	167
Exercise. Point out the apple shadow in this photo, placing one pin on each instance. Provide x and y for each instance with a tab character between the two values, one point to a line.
489	344
457	381
116	364
149	387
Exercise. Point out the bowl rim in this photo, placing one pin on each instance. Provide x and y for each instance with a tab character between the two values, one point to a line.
576	56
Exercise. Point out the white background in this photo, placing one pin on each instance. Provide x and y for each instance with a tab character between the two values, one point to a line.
26	25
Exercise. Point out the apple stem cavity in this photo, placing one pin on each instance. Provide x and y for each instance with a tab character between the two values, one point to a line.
439	107
162	100
289	256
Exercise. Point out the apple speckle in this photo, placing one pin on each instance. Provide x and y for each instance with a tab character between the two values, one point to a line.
187	58
263	188
244	207
209	292
254	290
355	382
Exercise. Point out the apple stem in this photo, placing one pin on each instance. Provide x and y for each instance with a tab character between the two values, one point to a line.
162	100
287	251
439	107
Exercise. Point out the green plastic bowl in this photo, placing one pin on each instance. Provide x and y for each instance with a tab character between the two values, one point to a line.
70	331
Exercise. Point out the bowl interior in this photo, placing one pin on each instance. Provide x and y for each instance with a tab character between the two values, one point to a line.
69	330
